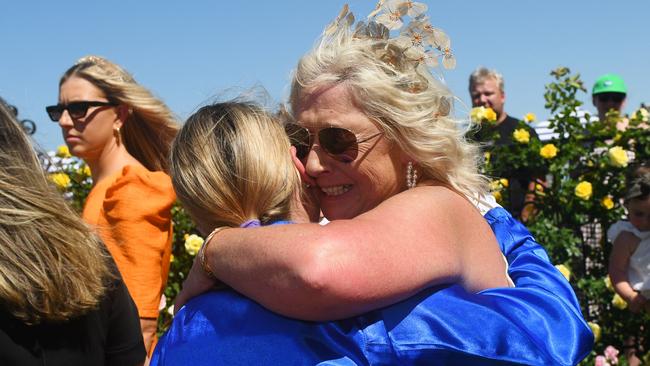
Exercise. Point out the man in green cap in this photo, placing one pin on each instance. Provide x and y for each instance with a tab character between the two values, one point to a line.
609	93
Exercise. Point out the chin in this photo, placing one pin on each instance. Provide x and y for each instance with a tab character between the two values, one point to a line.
337	213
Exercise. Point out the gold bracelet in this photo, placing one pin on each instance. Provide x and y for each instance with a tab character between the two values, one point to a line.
202	260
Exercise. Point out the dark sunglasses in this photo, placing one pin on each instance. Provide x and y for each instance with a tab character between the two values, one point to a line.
76	110
614	97
340	143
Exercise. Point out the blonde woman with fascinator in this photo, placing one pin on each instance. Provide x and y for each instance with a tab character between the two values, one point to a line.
123	133
62	301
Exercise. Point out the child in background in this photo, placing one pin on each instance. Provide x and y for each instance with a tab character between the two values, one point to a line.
629	262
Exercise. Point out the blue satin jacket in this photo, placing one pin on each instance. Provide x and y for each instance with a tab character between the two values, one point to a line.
538	322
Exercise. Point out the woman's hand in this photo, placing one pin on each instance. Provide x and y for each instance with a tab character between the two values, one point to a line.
197	282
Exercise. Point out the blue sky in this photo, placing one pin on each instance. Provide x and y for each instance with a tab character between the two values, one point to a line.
191	52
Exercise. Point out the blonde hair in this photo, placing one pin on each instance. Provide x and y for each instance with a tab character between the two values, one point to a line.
481	74
150	127
401	97
230	163
52	268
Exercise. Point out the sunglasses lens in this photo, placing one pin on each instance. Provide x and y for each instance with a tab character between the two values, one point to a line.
299	138
54	111
337	141
77	110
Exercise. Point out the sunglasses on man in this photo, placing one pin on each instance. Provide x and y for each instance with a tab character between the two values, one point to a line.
340	143
613	97
76	110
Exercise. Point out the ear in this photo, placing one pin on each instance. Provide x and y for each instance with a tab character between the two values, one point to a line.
123	112
300	167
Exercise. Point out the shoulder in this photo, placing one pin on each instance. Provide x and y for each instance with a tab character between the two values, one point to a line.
137	190
138	182
622	228
429	204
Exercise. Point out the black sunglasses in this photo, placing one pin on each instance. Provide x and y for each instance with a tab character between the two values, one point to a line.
614	97
340	143
76	110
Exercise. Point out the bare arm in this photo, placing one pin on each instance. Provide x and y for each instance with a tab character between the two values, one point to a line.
407	243
619	260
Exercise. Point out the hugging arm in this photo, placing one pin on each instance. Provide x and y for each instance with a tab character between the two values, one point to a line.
351	266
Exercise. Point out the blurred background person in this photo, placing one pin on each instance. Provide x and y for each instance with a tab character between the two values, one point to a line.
62	301
123	133
487	89
608	93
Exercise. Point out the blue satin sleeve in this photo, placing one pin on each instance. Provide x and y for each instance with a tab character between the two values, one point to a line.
538	322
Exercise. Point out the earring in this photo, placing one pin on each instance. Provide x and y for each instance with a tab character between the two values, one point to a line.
117	134
411	176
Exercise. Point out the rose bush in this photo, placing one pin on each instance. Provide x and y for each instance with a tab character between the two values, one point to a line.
581	196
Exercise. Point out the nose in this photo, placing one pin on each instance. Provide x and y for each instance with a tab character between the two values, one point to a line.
484	99
316	163
65	119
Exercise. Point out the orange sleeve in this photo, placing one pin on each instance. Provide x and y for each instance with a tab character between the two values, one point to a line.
135	223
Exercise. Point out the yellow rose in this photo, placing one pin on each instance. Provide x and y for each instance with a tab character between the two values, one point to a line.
171	258
607	202
84	171
618	302
497	196
645	115
193	243
61	180
539	189
584	190
608	283
617	157
530	117
497	185
504	182
481	114
487	155
490	115
548	151
521	136
566	272
595	328
63	151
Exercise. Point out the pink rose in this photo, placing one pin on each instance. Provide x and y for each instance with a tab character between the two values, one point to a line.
601	361
611	354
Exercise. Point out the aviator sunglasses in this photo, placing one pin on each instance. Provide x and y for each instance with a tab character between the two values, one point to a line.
340	143
76	110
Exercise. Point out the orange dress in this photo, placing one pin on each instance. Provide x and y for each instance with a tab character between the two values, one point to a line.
131	211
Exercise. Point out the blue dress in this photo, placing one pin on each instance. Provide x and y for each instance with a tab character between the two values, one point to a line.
538	322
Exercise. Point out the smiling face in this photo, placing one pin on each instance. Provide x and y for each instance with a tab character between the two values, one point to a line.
639	213
89	136
347	189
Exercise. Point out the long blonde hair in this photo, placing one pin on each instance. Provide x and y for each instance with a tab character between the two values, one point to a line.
401	96
52	268
230	163
150	127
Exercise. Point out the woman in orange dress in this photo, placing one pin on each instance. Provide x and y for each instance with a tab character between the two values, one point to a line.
123	133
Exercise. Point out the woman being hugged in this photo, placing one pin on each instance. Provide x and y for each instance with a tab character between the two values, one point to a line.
62	301
123	133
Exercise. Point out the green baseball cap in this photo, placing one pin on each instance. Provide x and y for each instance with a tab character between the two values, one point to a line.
609	83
